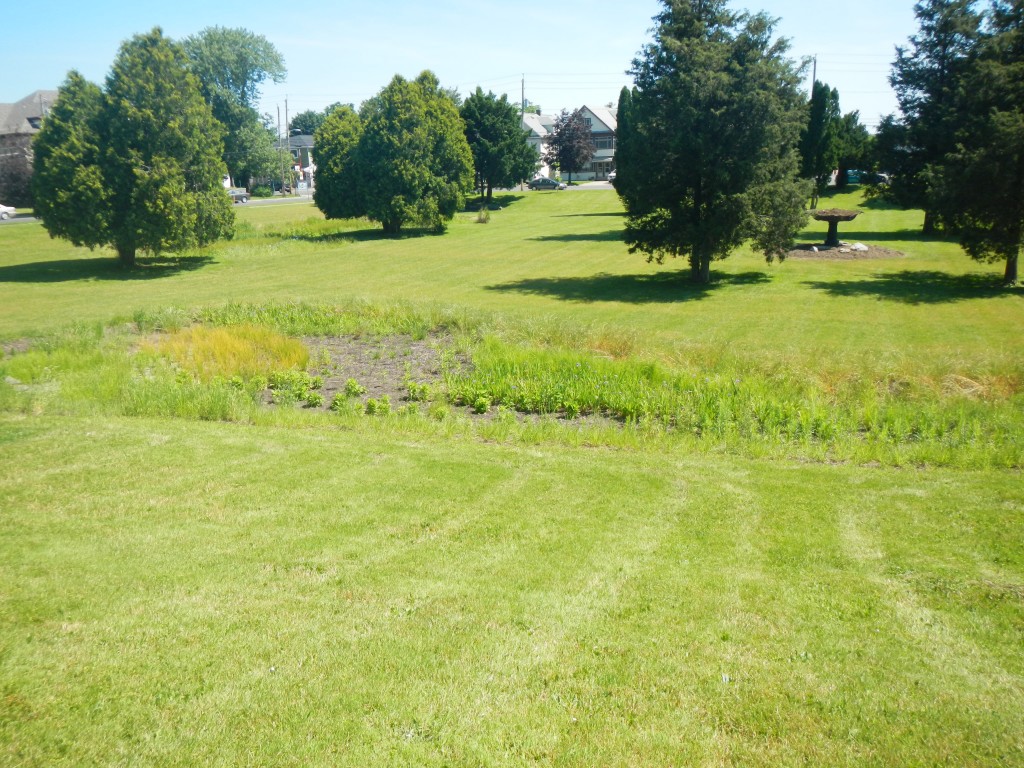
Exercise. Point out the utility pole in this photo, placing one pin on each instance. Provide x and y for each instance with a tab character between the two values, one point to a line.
279	148
522	111
287	132
814	70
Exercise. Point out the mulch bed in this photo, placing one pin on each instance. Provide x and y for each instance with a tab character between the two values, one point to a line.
843	252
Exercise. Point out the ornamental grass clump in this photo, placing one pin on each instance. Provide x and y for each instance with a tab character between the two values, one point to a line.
238	350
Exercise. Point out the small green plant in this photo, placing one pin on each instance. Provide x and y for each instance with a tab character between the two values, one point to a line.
314	400
289	387
378	407
483	216
354	389
341	404
417	391
481	404
323	362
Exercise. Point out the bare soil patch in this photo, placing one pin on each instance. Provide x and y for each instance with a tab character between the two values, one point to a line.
844	251
382	364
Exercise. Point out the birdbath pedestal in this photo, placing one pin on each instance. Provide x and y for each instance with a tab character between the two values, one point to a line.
833	216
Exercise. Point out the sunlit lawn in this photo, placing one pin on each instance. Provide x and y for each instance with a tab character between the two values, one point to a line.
559	257
181	593
374	591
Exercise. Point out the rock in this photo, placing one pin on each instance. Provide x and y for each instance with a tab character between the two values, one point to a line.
814	248
860	247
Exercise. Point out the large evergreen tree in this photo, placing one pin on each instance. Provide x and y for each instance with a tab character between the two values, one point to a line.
502	156
138	165
929	79
337	176
628	152
571	144
403	160
716	119
978	187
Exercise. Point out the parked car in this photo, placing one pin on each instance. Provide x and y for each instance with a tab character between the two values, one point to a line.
611	177
853	176
543	182
239	195
6	212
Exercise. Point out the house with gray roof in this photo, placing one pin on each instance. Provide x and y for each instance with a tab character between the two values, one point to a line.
19	122
602	128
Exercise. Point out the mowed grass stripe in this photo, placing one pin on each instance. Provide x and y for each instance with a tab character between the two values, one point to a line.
239	597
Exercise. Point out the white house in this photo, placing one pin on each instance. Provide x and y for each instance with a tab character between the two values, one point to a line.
602	128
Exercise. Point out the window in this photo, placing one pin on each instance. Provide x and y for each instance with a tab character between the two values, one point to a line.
589	122
604	142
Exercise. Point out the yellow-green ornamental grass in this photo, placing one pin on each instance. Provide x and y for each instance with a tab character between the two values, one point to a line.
243	350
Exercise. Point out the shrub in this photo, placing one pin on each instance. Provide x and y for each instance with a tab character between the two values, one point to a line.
381	407
354	389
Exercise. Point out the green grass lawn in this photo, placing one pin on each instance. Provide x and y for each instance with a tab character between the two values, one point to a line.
560	258
181	593
234	584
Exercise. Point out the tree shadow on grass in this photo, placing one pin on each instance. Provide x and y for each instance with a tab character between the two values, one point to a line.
924	287
101	268
608	236
659	287
361	235
498	202
616	214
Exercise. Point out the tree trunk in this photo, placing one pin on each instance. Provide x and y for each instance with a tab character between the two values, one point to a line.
929	223
1010	274
126	255
391	227
490	192
700	267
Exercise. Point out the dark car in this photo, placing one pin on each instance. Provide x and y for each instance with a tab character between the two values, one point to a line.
239	195
543	182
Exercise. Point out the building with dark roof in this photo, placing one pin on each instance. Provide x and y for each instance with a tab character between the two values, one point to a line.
19	122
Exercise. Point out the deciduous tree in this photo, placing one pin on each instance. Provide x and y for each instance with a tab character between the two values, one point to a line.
571	145
231	65
309	121
716	116
138	165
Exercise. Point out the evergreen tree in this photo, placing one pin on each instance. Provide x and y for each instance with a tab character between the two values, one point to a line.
978	187
410	164
337	187
137	166
628	149
717	117
929	79
571	145
819	140
502	156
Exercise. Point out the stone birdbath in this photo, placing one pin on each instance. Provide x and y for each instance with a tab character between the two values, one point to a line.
833	216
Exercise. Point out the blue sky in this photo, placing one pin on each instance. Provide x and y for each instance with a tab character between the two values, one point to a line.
571	52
